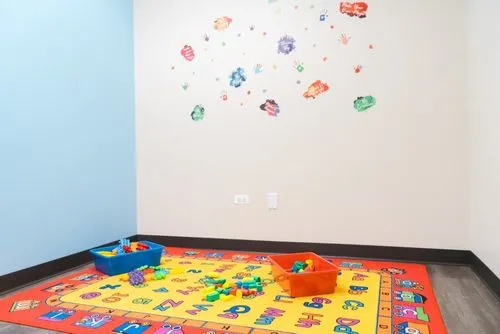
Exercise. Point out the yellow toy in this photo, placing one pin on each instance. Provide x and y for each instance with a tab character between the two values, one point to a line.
123	277
225	298
107	254
213	275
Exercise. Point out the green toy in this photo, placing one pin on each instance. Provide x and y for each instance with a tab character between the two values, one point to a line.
213	296
298	266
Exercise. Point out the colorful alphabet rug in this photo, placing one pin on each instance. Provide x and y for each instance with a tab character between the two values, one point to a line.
371	297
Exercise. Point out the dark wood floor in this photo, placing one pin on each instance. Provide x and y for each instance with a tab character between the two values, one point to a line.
467	305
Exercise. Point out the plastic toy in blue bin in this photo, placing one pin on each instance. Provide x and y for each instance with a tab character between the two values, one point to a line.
121	263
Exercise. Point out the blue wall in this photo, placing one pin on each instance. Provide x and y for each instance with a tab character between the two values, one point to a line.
67	166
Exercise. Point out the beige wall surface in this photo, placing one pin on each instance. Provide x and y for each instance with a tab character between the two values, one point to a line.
484	118
393	175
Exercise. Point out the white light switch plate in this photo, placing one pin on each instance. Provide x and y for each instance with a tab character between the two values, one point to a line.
272	201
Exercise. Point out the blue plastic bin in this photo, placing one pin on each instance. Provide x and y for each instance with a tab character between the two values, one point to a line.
124	263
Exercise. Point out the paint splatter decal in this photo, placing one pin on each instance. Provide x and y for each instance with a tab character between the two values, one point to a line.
237	77
232	40
271	107
323	15
187	52
286	44
299	66
363	103
344	38
222	23
198	113
315	89
357	9
223	95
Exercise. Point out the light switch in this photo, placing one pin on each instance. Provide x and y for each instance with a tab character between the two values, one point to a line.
272	201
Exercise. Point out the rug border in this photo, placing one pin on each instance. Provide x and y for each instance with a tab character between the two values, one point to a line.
178	253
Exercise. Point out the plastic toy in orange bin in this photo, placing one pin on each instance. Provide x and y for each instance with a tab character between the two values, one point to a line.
320	280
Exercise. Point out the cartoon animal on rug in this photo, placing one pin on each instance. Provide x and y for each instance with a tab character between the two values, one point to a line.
168	329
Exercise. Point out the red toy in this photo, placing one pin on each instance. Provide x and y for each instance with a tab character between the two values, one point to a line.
141	246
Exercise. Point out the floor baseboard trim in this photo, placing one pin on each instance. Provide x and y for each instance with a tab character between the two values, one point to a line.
485	273
406	254
39	272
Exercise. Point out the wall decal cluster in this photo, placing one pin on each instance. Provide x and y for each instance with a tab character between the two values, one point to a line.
287	45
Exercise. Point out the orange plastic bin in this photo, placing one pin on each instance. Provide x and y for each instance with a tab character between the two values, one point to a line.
319	282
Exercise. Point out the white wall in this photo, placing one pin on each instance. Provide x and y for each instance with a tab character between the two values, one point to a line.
484	119
395	175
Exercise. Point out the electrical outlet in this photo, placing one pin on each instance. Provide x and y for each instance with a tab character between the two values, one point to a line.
241	199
